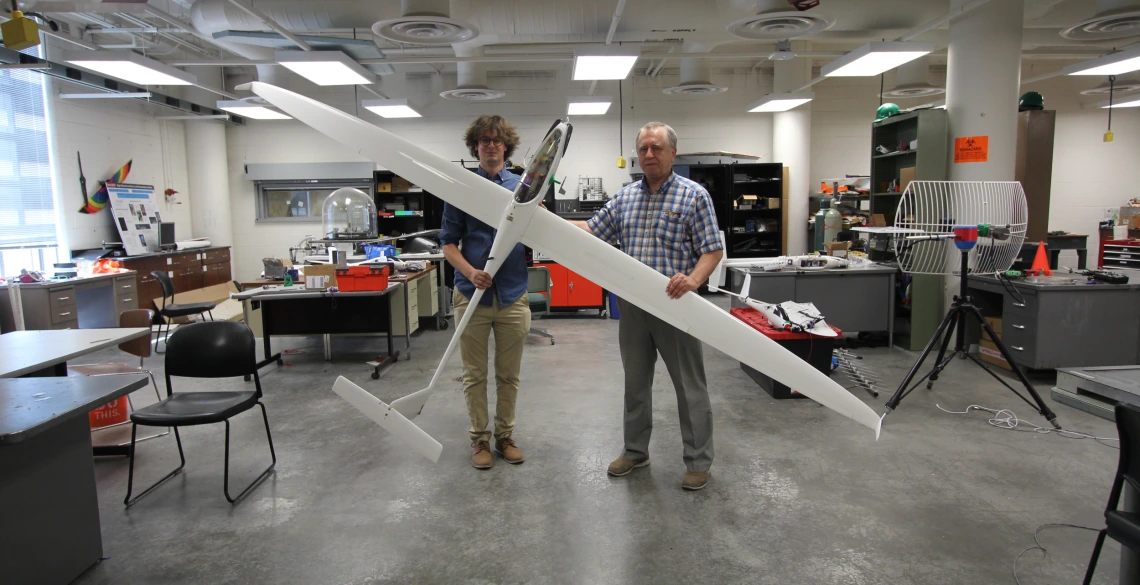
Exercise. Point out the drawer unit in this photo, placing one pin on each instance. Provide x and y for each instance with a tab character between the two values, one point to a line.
1025	304
216	256
1119	254
125	286
72	324
60	300
411	289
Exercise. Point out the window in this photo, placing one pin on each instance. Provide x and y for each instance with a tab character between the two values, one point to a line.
27	214
299	201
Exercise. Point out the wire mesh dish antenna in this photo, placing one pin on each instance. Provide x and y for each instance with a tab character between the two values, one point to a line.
930	210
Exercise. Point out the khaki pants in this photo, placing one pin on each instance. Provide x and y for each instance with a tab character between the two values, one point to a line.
511	324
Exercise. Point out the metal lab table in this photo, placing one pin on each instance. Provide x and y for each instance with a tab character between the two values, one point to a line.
47	352
298	311
852	299
1052	323
49	531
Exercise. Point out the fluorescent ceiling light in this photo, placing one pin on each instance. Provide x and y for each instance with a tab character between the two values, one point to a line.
1128	102
1114	64
589	106
131	67
105	95
394	108
251	110
325	67
602	63
874	58
780	102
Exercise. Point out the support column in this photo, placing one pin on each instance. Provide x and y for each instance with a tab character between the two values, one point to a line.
983	78
207	168
791	145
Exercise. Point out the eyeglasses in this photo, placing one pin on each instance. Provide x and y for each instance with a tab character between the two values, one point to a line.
489	141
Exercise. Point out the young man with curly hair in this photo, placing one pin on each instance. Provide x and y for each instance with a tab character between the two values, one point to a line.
504	309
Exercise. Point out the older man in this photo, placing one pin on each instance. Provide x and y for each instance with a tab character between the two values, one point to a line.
667	222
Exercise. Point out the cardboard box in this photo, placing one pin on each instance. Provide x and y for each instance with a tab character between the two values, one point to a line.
326	274
746	202
878	220
906	175
399	184
837	249
773	202
227	309
996	324
991	355
383	187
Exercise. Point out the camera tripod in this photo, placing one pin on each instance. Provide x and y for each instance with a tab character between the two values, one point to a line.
954	324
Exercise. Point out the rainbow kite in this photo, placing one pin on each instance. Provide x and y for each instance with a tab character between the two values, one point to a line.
100	199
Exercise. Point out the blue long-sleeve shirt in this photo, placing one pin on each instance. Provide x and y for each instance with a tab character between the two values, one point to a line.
475	238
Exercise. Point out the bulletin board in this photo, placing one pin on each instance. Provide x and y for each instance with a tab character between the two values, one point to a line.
135	208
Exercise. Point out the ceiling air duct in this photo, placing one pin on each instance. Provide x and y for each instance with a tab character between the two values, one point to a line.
912	81
774	21
1115	19
472	85
425	22
695	79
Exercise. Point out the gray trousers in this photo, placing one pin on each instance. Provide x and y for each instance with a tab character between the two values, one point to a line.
641	337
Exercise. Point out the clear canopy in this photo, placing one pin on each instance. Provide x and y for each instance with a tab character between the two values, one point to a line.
349	214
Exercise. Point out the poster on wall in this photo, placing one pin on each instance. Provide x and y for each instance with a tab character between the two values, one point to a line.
135	208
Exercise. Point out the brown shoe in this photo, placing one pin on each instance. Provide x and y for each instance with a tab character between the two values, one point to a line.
481	455
695	480
622	466
510	452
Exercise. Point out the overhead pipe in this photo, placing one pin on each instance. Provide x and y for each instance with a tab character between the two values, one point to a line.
614	22
273	25
943	20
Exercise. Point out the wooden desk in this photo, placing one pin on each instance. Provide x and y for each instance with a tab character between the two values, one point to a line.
49	531
47	352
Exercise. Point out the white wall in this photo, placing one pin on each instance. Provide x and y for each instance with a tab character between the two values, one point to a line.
108	133
533	101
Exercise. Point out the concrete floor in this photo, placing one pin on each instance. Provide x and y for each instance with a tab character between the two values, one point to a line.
799	494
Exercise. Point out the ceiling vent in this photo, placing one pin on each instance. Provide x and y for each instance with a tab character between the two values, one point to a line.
472	85
912	81
695	79
425	22
774	22
1115	19
1123	84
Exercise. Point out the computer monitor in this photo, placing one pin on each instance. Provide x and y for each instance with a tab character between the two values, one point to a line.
166	235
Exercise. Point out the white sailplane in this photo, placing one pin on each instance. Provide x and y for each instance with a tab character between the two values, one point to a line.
519	219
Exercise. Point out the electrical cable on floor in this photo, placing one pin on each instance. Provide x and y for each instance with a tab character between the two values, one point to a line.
1038	544
1006	419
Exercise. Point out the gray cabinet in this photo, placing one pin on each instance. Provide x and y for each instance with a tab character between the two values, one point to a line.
1061	325
83	303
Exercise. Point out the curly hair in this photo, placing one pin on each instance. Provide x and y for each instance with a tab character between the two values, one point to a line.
496	126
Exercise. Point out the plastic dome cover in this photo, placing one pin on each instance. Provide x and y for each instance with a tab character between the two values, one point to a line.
349	214
886	111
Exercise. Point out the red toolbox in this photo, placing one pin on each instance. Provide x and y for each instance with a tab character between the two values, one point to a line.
813	349
362	278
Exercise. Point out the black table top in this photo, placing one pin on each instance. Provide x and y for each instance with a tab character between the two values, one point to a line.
29	406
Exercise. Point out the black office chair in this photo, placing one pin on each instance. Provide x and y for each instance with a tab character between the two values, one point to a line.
212	349
174	310
1123	527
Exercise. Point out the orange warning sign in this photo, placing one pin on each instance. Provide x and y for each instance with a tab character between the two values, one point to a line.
971	149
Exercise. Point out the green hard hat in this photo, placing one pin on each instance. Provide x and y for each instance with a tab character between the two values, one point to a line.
1030	100
886	111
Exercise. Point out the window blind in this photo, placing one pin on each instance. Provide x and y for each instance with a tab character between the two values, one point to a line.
27	215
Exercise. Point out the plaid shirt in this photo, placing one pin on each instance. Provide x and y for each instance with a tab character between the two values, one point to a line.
668	230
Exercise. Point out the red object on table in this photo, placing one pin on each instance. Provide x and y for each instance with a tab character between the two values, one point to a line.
362	278
760	323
